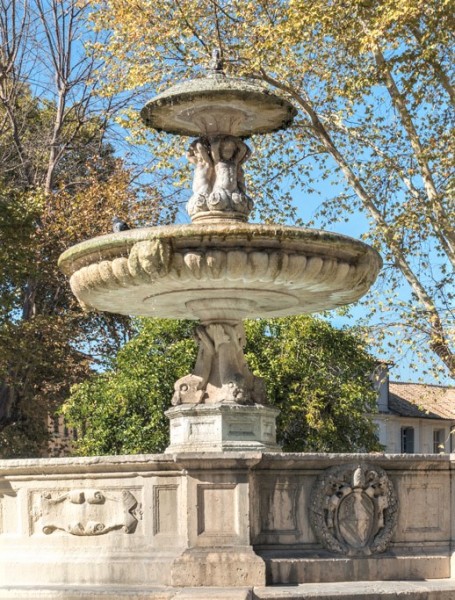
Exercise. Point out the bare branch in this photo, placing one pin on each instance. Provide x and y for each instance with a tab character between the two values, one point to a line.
445	237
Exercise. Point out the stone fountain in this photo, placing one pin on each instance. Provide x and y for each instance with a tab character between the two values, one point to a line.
223	514
219	269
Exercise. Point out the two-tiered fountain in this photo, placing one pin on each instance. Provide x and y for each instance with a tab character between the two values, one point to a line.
222	510
219	269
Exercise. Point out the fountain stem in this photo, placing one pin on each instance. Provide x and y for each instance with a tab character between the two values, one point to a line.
221	374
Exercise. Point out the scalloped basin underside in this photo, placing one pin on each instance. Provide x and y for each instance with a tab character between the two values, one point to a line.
220	271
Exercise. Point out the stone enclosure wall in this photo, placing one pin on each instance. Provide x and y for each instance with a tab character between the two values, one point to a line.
226	519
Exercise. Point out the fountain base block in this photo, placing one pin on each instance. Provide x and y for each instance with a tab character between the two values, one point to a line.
234	525
221	427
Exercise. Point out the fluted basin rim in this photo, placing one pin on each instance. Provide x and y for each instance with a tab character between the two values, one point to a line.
220	271
118	244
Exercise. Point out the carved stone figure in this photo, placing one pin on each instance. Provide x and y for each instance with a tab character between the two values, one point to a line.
188	390
228	154
204	174
353	509
219	181
221	373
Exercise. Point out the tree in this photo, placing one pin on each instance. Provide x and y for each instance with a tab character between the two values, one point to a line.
121	411
44	353
321	379
371	80
318	376
60	183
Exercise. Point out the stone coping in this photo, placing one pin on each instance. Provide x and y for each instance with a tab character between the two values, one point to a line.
437	589
219	407
208	460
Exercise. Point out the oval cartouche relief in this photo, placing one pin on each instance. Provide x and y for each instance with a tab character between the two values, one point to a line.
353	509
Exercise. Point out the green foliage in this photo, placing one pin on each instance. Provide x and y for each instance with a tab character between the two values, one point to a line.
122	411
317	375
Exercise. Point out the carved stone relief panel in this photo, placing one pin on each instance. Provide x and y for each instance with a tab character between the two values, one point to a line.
353	509
279	505
429	497
88	512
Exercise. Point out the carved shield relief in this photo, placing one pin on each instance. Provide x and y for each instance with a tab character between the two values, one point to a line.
353	509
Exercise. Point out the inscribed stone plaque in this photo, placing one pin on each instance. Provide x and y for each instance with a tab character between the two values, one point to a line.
201	430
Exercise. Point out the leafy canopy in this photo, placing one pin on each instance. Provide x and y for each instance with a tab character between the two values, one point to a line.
60	183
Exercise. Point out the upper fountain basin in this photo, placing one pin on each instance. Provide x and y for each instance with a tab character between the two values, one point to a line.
218	105
219	271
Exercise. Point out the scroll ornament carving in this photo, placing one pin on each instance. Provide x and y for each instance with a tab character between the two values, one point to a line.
89	512
353	509
221	373
219	182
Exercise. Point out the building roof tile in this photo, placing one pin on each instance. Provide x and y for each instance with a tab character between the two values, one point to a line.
422	401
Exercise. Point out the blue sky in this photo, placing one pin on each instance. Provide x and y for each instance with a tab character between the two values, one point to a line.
407	367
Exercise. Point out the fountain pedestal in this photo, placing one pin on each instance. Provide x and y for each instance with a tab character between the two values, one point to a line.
222	427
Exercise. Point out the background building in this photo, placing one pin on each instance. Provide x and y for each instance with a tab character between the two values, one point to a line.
61	436
415	418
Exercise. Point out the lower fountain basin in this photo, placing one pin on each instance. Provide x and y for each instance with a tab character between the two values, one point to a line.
220	271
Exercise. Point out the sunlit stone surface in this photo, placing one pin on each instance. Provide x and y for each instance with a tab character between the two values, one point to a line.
149	527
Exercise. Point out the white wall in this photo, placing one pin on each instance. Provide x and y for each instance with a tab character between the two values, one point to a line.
389	432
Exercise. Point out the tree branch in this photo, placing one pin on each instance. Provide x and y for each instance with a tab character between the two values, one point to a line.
446	237
438	340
